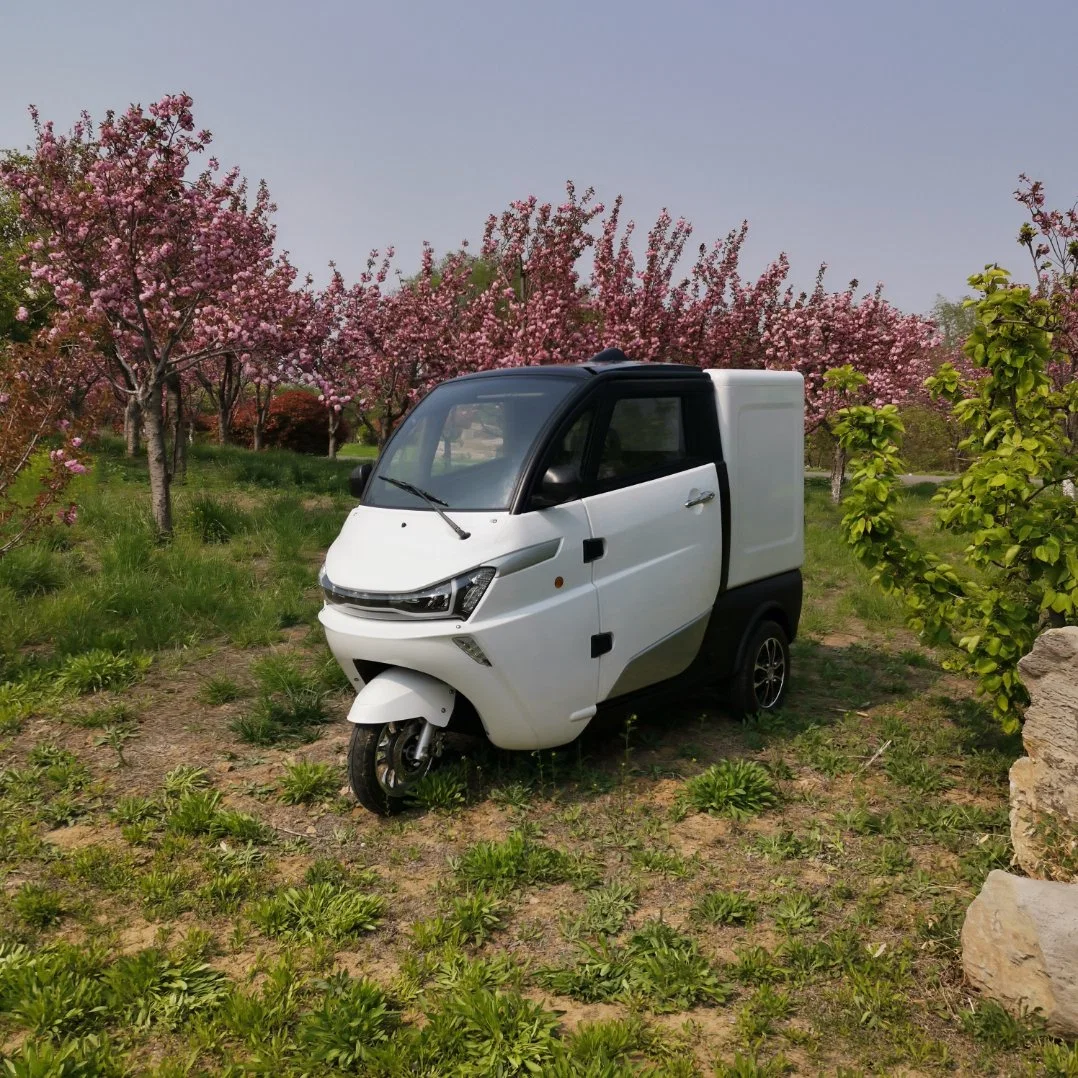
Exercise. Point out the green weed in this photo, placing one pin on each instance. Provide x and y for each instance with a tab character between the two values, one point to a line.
305	782
659	967
737	788
214	520
37	905
31	570
440	789
990	1024
606	910
795	913
99	669
220	690
725	908
321	911
345	1030
517	862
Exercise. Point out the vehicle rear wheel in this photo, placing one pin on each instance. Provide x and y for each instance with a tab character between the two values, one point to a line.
382	765
761	683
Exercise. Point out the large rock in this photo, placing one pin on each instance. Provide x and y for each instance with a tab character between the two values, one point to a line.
1044	783
1020	946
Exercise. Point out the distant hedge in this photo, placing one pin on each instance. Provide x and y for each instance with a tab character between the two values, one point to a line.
297	420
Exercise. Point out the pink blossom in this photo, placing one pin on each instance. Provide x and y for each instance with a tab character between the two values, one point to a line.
22	314
75	467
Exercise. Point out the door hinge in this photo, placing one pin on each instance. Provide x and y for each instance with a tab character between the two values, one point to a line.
594	549
601	643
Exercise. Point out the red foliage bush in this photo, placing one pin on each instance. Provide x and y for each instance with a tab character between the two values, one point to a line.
297	420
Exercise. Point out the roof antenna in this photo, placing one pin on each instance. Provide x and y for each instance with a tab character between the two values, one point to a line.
610	355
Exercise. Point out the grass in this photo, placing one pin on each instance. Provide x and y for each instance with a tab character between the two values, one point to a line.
186	893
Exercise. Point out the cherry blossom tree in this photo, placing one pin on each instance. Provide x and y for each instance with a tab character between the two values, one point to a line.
40	448
888	350
158	271
534	307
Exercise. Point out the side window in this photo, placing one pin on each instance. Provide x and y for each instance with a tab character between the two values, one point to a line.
570	450
472	434
646	434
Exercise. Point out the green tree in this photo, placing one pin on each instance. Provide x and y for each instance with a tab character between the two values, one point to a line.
955	319
1019	573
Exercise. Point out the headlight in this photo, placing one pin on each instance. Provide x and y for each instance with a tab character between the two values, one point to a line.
455	598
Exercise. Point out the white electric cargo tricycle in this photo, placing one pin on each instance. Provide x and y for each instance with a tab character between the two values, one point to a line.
535	544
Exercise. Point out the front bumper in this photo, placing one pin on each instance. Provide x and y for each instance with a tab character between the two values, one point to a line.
428	646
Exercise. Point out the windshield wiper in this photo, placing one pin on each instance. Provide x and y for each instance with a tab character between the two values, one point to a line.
434	502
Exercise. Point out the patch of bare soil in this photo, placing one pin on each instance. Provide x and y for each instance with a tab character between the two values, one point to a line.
77	835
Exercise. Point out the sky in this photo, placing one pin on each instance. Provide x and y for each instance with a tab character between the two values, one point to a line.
884	137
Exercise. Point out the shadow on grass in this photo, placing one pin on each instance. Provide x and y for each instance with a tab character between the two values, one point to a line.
664	737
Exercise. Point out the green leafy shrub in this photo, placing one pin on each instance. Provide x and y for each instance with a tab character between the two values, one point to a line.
737	788
471	919
1020	574
606	910
199	813
90	1056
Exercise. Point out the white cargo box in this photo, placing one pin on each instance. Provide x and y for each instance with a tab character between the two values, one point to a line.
762	424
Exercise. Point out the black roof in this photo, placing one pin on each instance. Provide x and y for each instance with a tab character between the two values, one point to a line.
617	364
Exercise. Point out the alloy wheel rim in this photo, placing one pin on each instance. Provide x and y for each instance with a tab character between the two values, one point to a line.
395	765
769	673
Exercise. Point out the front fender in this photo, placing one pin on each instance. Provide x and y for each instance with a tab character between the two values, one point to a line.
396	695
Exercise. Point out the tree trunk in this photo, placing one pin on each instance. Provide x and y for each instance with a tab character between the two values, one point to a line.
174	397
157	459
132	425
334	423
224	425
262	407
838	474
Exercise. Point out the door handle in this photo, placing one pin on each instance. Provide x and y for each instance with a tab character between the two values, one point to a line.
700	499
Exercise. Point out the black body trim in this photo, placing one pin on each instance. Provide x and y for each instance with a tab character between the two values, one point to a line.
601	643
724	510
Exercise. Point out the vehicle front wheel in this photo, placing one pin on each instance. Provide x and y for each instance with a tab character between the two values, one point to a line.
383	768
761	683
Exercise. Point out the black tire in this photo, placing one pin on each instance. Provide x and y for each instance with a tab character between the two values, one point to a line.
760	684
366	769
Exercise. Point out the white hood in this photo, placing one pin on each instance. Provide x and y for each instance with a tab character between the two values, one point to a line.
398	550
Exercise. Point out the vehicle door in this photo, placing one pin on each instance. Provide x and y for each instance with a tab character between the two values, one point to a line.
655	518
555	678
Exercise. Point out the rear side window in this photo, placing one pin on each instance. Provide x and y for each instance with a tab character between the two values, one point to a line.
646	435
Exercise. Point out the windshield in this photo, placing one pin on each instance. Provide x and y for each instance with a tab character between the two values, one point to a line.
465	443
